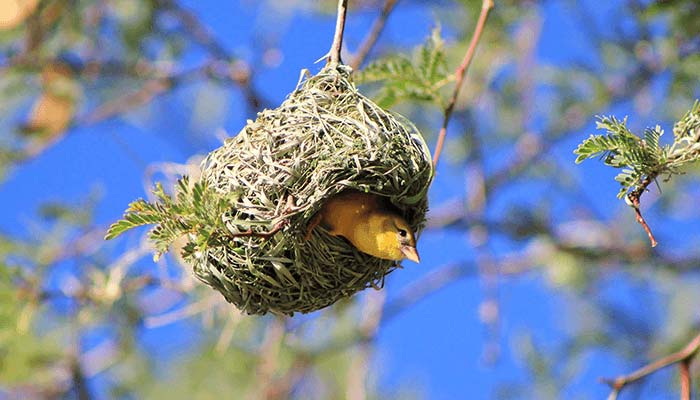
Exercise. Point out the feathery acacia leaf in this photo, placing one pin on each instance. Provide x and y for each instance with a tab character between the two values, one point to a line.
419	78
190	210
643	159
139	213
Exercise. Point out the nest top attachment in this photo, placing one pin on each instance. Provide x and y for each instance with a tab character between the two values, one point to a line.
277	172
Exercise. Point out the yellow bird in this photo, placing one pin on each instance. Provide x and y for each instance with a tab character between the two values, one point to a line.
371	224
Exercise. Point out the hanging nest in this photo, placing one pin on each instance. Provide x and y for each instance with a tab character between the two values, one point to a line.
279	170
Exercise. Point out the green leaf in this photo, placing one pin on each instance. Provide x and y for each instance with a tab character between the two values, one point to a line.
137	214
652	136
419	78
643	158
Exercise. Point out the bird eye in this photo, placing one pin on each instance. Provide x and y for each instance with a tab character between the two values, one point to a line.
402	233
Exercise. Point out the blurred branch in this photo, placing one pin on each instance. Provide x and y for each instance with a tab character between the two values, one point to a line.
79	381
268	386
610	249
161	84
532	148
355	388
197	30
427	285
683	357
486	7
146	93
373	35
188	311
233	318
87	243
202	35
413	294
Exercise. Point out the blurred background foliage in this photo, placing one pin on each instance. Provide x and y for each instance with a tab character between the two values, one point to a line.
160	81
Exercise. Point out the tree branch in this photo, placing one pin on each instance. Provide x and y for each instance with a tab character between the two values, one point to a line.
250	233
486	7
684	356
371	39
336	46
685	380
633	198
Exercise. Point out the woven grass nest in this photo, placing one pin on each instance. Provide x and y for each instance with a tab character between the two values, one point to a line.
324	138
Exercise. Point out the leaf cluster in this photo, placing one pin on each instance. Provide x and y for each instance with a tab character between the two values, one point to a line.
643	158
404	78
192	211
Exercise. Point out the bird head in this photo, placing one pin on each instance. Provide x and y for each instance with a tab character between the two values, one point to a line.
405	241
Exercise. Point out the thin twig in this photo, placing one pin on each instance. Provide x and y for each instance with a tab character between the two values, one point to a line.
685	379
633	197
643	222
371	39
486	7
250	233
334	53
290	207
685	355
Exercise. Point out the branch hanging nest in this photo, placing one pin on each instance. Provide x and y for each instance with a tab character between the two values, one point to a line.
247	218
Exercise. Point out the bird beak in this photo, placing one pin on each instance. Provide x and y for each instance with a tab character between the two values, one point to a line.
410	253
